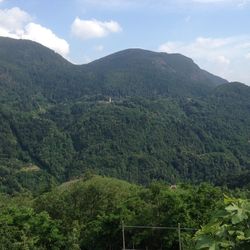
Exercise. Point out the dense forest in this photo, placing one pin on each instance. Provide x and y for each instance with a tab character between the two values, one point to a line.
88	213
135	115
141	137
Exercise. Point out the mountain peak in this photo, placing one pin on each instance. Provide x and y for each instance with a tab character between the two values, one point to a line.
157	72
130	72
21	51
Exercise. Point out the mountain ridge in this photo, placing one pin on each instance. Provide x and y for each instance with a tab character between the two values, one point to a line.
129	72
166	120
162	73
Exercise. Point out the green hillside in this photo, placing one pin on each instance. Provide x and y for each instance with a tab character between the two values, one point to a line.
87	213
167	119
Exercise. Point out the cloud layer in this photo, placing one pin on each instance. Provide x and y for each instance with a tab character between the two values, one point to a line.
16	23
228	57
88	29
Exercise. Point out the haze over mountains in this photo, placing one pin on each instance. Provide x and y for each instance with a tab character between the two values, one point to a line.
167	119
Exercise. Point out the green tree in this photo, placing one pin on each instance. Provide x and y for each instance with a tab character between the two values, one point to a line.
24	229
228	229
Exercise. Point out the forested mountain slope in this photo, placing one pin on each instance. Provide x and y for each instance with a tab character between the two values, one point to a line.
31	71
167	119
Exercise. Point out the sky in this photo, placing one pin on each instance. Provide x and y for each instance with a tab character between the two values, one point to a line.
214	33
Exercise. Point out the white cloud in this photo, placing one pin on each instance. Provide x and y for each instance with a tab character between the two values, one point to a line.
87	29
99	48
45	36
13	19
243	3
227	57
222	60
16	23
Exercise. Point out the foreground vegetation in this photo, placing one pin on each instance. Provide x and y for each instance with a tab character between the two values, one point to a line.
87	214
228	228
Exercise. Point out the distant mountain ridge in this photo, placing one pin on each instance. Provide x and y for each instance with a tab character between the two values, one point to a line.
136	115
160	73
130	72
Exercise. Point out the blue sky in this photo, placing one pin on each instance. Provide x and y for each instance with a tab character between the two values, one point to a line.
214	33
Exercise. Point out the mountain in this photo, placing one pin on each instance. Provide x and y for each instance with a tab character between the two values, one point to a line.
134	72
136	115
141	72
